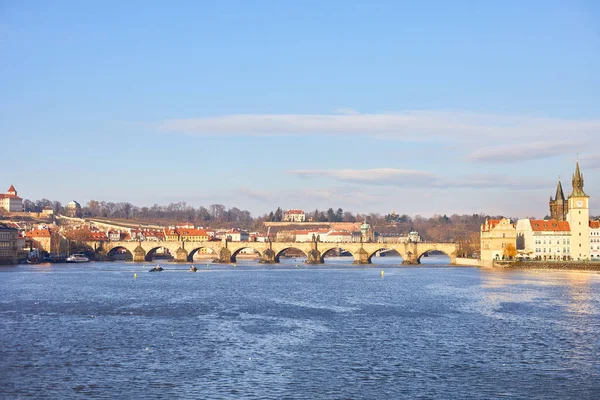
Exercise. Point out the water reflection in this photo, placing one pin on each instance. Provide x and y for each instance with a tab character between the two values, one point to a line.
279	331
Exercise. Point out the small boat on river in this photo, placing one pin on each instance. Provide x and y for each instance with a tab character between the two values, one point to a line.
77	258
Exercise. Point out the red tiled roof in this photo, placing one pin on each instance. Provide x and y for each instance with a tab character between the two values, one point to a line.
341	233
38	233
11	189
97	236
595	224
294	212
550	225
9	196
192	232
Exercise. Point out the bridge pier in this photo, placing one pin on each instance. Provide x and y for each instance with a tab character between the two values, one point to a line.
411	259
268	257
224	256
361	257
181	255
314	255
139	254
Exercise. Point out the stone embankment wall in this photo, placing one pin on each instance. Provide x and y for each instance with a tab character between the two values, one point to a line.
29	215
559	265
468	262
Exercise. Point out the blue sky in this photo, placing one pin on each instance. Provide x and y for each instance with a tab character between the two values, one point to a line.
427	107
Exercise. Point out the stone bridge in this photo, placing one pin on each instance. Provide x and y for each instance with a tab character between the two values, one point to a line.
269	252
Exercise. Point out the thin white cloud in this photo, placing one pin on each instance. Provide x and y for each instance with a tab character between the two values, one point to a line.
488	138
422	179
378	176
411	125
525	151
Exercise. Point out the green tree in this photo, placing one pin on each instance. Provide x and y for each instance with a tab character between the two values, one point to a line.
278	215
330	215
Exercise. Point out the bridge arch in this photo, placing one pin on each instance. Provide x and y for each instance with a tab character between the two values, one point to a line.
331	249
150	254
237	251
113	253
372	253
281	251
209	251
423	252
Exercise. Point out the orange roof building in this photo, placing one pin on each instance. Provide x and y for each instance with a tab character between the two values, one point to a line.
544	239
186	235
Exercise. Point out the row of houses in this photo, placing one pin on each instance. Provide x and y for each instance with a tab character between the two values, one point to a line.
535	239
569	235
332	235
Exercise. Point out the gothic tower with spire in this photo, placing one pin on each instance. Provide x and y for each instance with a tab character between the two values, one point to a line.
579	218
559	206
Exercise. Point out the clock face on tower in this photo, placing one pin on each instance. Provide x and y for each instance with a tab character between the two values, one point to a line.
579	203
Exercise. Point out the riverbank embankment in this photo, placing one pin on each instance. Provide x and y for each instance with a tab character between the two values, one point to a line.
554	265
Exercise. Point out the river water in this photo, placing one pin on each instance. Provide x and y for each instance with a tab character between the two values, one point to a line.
271	332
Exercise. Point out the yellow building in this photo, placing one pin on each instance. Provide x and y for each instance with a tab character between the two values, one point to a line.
186	235
495	236
41	239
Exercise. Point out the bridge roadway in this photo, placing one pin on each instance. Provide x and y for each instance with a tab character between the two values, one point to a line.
226	252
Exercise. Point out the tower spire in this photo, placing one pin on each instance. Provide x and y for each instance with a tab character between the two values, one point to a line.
560	195
578	182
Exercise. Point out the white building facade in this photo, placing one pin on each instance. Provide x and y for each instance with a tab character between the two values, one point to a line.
574	238
595	240
543	239
237	235
294	216
10	201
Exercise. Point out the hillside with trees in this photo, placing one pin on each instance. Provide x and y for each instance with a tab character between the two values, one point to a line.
462	229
